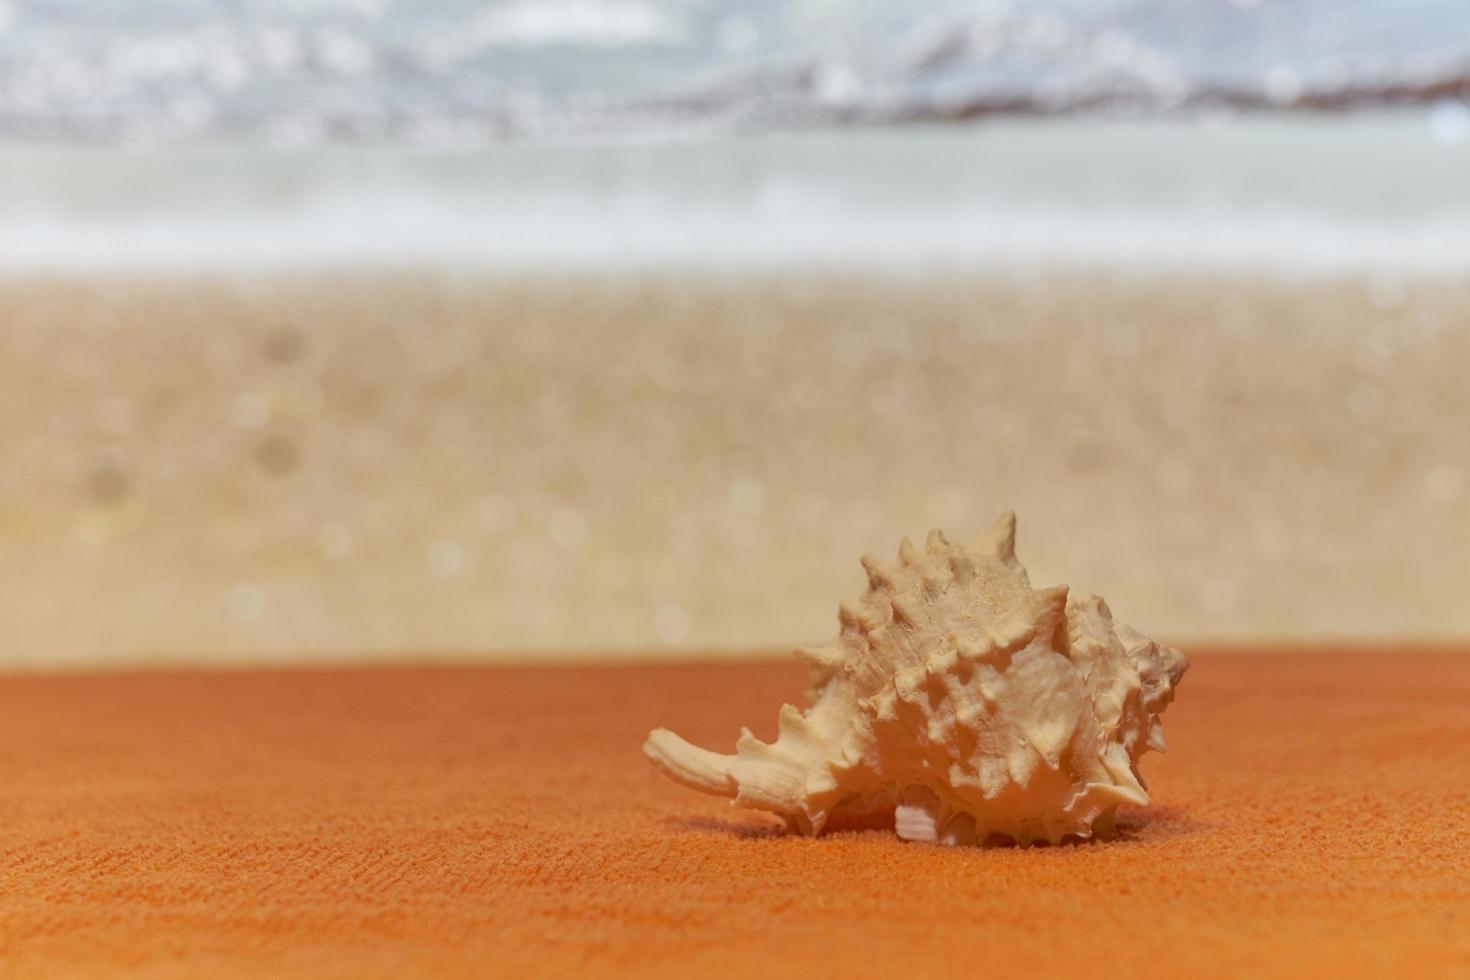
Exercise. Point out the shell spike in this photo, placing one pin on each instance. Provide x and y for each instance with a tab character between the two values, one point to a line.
1156	736
690	765
822	658
878	577
1052	600
907	553
936	542
1000	539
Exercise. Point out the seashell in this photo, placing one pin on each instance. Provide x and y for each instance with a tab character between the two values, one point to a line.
967	703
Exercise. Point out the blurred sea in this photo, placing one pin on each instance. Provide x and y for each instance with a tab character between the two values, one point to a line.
628	133
455	71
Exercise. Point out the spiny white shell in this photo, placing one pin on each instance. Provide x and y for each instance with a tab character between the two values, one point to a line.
970	704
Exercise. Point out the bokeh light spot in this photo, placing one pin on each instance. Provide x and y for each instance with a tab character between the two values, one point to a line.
447	558
671	623
567	527
248	603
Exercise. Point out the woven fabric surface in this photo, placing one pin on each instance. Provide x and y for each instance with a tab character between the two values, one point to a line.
1311	818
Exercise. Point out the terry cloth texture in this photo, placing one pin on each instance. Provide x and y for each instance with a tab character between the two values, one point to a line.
1312	818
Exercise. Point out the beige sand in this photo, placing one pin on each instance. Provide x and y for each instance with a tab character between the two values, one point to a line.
368	465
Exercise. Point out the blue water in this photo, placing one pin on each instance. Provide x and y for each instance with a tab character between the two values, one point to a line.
455	72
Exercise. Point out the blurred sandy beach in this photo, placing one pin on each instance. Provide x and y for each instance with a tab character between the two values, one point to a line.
409	464
395	402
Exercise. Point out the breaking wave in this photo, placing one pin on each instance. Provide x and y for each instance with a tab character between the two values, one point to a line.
455	72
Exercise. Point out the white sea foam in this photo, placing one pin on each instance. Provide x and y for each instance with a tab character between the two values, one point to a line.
593	23
1294	196
411	228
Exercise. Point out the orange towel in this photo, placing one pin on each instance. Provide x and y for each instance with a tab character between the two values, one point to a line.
1312	818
